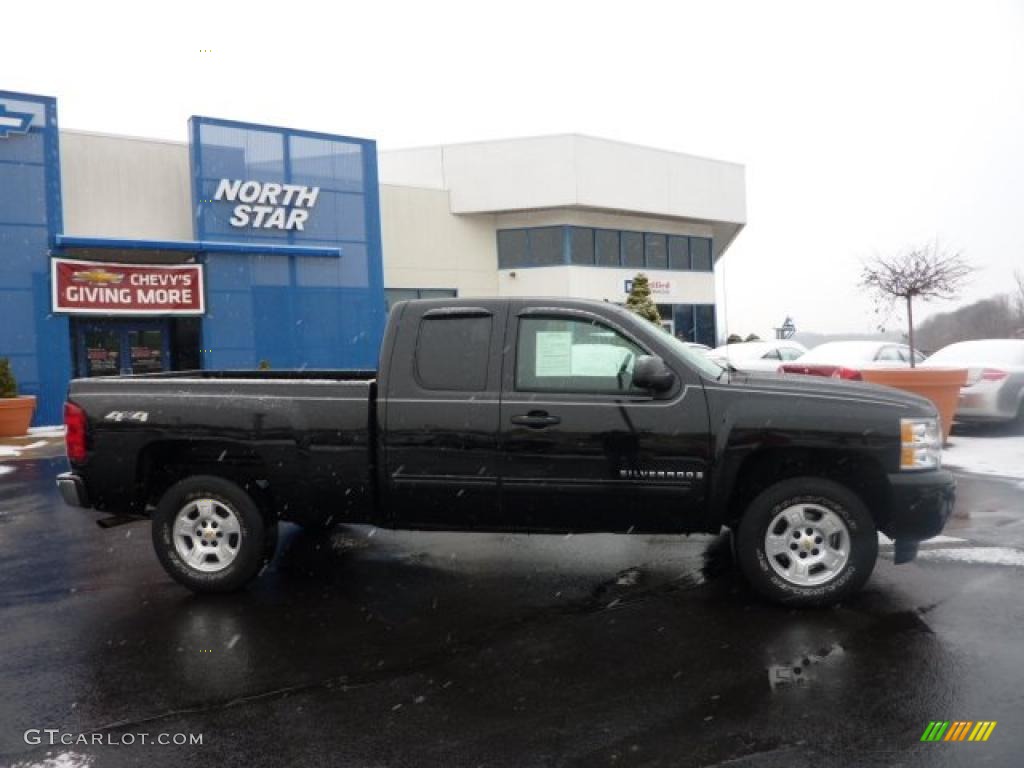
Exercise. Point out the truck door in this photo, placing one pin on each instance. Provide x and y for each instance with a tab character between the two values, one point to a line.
584	448
439	416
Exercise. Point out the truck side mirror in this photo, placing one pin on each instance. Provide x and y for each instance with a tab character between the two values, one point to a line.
650	372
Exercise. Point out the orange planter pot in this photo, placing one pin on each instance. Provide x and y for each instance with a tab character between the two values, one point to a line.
16	415
940	385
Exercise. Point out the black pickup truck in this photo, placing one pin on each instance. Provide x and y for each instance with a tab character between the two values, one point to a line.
531	415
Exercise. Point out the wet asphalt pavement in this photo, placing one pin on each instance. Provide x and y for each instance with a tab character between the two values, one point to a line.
374	648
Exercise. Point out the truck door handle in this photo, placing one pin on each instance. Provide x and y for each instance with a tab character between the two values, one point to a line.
536	420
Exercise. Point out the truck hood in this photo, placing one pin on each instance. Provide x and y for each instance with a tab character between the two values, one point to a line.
820	385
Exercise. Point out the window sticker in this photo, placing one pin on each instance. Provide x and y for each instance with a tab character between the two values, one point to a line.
597	359
554	353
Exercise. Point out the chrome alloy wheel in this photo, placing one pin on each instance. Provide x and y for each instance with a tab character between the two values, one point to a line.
807	544
207	536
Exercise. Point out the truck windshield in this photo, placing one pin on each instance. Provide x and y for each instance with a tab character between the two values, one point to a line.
694	358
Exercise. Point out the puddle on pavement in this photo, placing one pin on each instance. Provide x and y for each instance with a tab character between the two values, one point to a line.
804	669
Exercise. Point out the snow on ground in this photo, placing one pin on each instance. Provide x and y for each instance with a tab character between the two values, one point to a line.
62	760
885	541
986	454
9	451
5	469
983	555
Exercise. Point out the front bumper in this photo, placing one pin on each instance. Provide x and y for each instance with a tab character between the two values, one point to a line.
920	503
72	490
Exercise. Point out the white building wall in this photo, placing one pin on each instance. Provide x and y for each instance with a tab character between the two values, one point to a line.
601	219
607	284
116	186
425	246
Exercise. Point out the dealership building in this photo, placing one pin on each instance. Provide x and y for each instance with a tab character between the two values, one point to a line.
252	243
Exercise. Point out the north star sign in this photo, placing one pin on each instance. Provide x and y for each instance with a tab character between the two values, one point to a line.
13	122
267	205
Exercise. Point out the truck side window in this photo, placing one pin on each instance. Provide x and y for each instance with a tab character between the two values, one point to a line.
452	353
570	355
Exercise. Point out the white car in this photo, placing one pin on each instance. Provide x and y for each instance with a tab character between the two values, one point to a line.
995	378
702	348
846	359
752	356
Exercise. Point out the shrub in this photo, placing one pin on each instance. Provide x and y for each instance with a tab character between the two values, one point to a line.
8	385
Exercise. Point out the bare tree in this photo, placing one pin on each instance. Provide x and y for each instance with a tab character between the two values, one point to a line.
926	272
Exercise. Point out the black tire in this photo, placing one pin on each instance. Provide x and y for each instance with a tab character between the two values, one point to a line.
862	537
256	542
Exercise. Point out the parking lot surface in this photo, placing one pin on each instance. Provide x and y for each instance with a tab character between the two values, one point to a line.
367	647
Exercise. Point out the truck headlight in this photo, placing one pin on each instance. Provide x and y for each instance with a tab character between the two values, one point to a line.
920	444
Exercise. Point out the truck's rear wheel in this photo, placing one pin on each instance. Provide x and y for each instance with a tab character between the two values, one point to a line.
807	541
210	535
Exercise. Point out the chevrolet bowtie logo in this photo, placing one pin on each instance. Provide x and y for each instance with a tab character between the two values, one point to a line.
97	276
13	122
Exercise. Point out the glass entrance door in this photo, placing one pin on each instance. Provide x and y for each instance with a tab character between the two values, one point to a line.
113	347
146	350
102	354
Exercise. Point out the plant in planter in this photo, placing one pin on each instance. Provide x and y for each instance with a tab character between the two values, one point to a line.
15	410
922	272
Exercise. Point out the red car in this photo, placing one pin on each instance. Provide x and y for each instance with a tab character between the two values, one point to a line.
846	359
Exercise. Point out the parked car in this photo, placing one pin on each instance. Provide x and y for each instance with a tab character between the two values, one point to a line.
751	356
995	378
543	415
702	348
846	359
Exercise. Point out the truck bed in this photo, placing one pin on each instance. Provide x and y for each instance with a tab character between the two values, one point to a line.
305	436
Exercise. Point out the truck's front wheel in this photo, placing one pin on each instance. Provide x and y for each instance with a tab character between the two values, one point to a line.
807	541
210	535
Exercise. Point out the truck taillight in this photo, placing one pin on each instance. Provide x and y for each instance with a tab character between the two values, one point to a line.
842	372
993	374
74	438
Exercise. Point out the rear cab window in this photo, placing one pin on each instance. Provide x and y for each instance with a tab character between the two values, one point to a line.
452	352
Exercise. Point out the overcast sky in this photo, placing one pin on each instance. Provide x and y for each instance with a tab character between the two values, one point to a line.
864	126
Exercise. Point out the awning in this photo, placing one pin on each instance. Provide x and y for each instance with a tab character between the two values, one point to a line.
74	242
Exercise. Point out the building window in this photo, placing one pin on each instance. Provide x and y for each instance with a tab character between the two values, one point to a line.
452	353
655	251
606	248
538	247
394	295
633	249
694	322
547	246
678	252
700	254
513	248
704	324
581	246
584	246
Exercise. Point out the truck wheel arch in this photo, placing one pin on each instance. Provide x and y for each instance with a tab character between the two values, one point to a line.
163	463
749	475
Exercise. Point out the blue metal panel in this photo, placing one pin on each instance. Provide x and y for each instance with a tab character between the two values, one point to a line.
36	341
308	312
